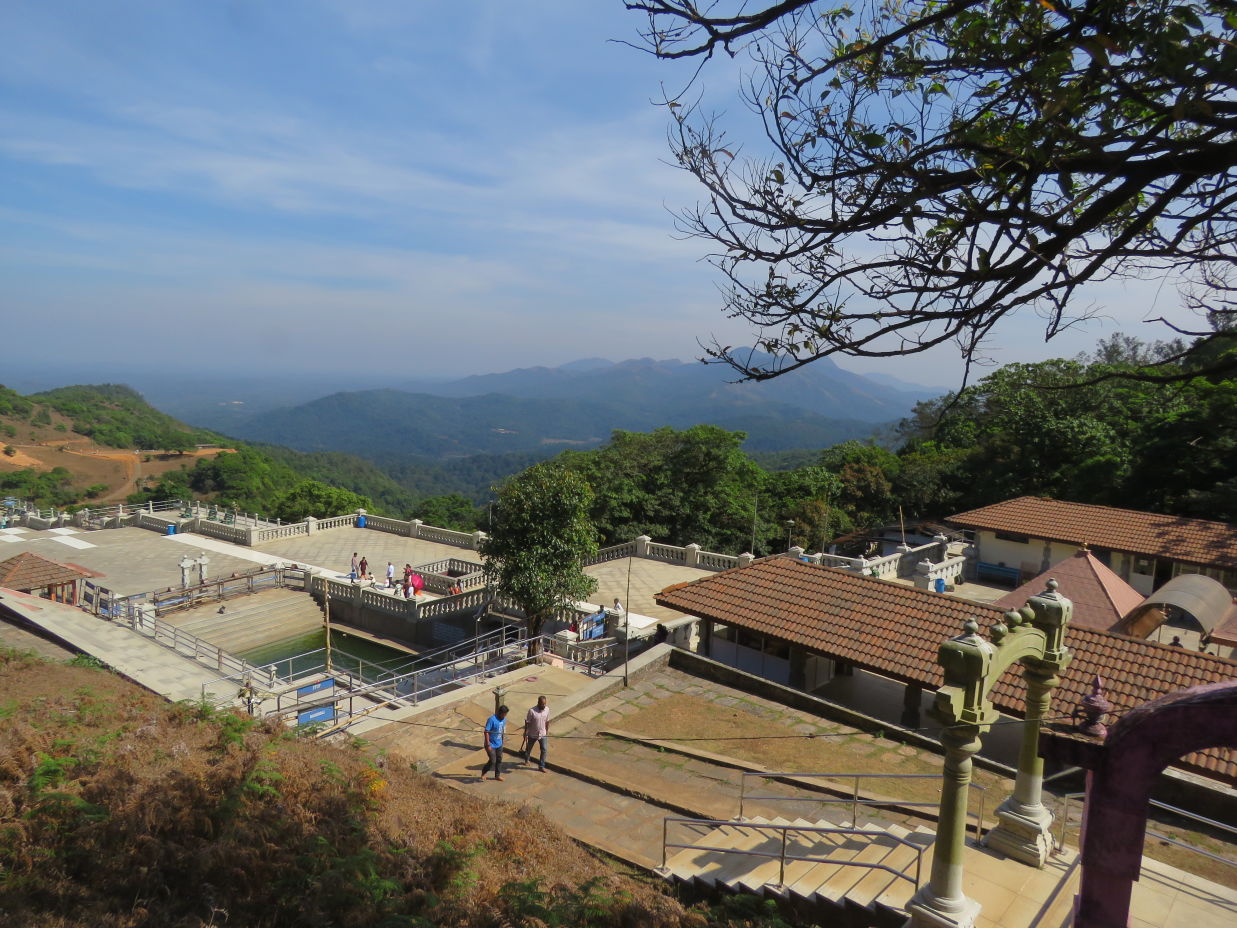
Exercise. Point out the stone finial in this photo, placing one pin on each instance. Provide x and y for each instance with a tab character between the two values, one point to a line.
1093	708
998	632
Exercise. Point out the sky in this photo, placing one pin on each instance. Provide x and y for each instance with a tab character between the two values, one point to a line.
413	188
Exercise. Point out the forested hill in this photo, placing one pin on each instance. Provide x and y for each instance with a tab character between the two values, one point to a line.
379	424
109	414
1107	428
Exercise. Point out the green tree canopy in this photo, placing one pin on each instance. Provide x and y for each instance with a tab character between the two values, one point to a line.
541	536
313	498
929	168
681	487
453	511
1079	430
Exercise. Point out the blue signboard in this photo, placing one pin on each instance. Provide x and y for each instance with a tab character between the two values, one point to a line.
320	714
312	688
593	626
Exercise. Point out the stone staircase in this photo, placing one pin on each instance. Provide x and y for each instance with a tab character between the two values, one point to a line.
252	621
745	856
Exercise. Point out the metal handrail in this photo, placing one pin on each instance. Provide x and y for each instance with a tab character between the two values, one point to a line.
854	800
1068	799
782	856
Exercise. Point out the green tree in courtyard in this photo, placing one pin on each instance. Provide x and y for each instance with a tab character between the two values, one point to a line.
541	536
678	486
866	474
453	511
312	498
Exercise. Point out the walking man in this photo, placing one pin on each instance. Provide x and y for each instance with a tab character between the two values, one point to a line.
390	575
537	731
495	727
355	567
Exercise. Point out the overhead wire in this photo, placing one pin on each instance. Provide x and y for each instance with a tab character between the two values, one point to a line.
807	736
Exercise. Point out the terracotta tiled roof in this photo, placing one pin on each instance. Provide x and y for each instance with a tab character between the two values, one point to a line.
895	631
1194	540
1100	597
31	572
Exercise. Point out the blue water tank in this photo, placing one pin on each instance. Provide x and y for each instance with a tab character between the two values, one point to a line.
171	529
360	521
940	584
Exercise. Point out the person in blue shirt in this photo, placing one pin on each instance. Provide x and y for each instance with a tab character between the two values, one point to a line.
495	728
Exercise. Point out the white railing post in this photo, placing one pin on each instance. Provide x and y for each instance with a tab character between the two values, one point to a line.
692	555
414	528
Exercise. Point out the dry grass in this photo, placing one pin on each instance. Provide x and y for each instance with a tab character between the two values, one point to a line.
852	752
119	810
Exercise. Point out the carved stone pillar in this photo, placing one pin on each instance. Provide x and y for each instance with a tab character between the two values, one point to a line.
941	903
1024	829
961	705
1024	825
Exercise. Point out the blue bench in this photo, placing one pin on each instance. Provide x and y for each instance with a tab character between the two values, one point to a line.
998	572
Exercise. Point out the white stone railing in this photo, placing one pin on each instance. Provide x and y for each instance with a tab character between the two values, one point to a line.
336	522
950	570
153	522
671	553
612	553
291	530
710	560
239	536
445	536
387	524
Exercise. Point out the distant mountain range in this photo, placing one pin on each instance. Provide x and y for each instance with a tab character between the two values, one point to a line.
644	384
544	410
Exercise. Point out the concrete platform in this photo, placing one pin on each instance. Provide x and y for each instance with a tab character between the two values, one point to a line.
648	578
134	560
134	656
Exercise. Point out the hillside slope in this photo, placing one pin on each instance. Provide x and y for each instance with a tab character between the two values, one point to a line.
82	444
121	810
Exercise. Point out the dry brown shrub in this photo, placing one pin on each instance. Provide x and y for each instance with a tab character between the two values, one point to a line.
118	810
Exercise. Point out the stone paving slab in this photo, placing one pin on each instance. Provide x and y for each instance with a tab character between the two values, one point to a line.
647	579
137	560
332	550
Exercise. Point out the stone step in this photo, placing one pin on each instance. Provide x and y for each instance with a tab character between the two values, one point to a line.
848	881
691	865
898	894
256	612
832	882
877	883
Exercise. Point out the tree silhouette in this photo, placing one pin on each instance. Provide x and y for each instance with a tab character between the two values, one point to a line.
934	167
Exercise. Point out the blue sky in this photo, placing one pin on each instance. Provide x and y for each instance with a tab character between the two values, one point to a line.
419	187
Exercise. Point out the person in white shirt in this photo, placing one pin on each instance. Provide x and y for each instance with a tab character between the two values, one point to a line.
537	731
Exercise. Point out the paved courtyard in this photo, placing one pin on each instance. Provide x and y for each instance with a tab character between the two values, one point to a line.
131	560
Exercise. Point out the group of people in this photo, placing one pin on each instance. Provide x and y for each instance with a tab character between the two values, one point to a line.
411	585
536	733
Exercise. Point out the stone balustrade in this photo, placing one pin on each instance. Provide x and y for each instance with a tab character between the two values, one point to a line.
612	553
